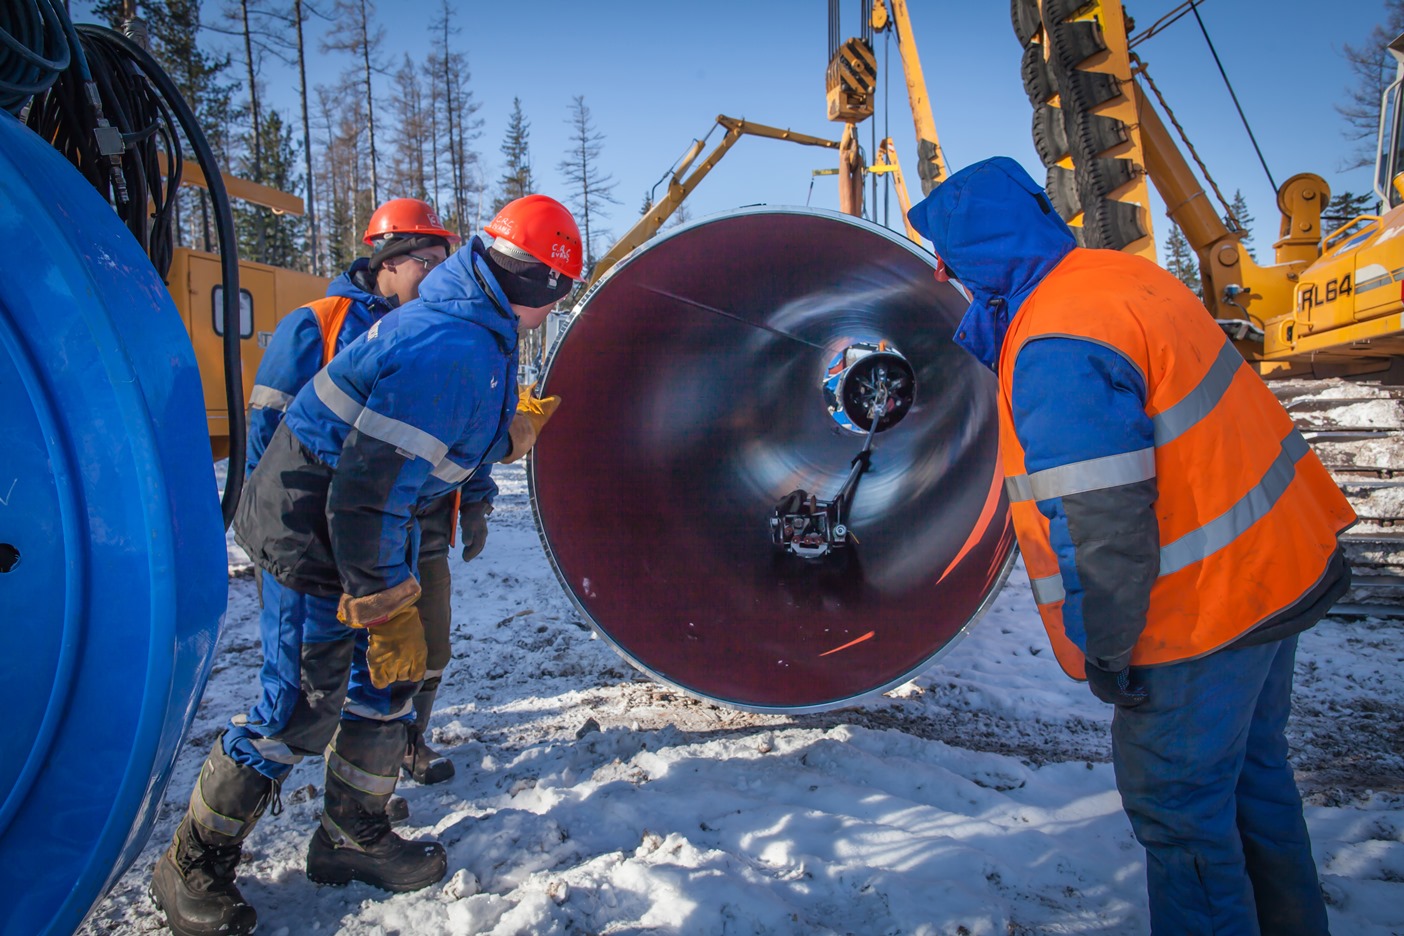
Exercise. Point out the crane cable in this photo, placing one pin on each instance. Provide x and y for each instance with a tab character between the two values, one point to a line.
1194	8
1138	67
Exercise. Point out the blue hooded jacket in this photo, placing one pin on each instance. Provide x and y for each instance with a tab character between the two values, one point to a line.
999	235
1072	400
410	411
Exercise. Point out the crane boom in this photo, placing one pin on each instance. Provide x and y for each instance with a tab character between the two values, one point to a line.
931	165
679	187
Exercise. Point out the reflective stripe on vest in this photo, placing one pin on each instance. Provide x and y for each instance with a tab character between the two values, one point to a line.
1248	516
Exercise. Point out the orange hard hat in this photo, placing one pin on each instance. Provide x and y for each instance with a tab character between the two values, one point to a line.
543	228
406	216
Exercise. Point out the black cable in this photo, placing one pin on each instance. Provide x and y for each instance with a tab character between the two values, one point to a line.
1194	8
109	74
124	166
34	50
228	253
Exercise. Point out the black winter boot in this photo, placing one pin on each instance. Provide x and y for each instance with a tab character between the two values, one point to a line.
193	882
422	763
355	842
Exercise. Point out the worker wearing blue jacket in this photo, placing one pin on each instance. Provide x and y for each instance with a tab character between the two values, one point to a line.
1178	532
407	240
410	411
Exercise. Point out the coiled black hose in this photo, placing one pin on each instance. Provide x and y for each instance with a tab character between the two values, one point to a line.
34	49
106	74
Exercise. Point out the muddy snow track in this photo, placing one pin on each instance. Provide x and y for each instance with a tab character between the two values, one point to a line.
562	749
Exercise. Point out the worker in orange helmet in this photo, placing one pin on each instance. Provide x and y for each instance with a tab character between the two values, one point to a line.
407	240
408	413
1179	535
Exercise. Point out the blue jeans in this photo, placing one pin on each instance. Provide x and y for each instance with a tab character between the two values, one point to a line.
1204	778
314	674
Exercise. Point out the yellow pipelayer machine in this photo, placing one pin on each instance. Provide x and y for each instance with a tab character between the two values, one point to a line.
1329	305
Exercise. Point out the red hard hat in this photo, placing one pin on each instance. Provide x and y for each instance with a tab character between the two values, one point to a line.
544	228
403	216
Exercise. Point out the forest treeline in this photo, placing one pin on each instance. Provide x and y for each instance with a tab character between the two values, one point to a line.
335	148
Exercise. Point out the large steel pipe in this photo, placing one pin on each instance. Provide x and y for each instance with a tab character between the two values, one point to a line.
692	385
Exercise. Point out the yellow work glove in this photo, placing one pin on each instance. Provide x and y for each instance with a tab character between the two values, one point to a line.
532	413
396	652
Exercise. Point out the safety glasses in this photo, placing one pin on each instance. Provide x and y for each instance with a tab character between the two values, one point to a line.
429	262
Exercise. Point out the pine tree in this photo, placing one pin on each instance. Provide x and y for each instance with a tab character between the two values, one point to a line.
1244	219
516	179
1181	261
647	205
590	189
1348	205
1373	69
276	239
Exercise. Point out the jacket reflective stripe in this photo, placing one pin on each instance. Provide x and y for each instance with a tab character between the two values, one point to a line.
262	397
1252	507
451	471
1200	401
1094	474
1048	589
391	431
402	435
362	780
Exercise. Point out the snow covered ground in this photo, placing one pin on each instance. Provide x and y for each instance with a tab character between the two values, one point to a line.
976	799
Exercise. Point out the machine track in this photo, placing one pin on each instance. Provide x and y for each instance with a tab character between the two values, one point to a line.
1358	431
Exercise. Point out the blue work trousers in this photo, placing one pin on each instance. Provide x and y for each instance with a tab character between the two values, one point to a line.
1203	774
314	674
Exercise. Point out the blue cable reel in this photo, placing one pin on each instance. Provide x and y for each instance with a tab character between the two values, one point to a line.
113	573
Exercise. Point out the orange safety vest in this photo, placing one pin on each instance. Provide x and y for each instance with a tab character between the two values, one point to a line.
1248	515
331	316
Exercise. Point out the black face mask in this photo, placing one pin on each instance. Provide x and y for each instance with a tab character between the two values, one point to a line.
527	283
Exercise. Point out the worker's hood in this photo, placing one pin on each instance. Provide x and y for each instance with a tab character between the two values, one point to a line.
357	284
999	236
453	288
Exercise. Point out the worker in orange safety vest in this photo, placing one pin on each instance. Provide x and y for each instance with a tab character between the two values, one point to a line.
1178	532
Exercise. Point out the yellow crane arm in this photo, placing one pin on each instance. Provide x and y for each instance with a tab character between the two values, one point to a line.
931	166
887	162
679	187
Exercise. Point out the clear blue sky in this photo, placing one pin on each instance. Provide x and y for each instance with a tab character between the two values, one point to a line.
655	75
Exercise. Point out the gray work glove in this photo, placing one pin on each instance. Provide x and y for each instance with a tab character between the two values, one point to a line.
472	517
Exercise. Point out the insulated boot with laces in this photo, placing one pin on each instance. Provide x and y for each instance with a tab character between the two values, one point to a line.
355	841
422	763
193	881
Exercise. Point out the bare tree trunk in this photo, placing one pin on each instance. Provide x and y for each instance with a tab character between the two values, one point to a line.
316	265
370	100
255	117
452	129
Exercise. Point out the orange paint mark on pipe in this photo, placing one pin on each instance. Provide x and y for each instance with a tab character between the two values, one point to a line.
851	643
986	515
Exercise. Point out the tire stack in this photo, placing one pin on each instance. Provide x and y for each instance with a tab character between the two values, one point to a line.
1072	132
